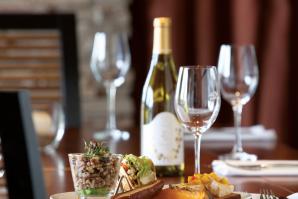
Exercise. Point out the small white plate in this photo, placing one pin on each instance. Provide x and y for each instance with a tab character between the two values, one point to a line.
69	195
64	195
73	195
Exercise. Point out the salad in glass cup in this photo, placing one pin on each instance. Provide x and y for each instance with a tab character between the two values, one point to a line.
95	172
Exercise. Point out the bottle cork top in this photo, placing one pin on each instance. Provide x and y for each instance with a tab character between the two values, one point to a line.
162	22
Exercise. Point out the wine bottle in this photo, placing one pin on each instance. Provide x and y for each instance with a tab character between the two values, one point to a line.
161	133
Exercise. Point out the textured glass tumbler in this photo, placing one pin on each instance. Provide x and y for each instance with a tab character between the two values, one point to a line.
94	176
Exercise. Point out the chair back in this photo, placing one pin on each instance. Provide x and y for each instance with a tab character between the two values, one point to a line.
22	164
38	52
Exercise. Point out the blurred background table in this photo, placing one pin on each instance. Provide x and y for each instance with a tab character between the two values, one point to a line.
58	177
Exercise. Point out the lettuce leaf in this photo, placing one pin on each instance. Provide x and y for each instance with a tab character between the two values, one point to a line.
102	191
142	164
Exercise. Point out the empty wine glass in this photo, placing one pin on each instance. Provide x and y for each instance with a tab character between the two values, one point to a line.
197	101
238	72
49	125
110	62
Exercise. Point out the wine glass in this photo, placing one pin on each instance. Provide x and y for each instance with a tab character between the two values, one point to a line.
197	101
110	62
49	125
238	73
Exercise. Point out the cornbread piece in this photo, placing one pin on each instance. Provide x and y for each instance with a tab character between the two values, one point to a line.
144	192
187	194
200	186
180	194
216	185
218	189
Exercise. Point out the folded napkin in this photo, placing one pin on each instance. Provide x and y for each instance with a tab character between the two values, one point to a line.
293	196
253	133
256	168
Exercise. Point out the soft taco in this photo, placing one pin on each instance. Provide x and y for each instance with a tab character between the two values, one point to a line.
138	171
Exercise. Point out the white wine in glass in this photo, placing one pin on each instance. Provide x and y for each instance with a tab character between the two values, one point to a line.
238	72
197	101
110	62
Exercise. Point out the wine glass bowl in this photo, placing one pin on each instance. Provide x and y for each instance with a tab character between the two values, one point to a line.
197	113
197	101
238	74
110	59
110	62
49	125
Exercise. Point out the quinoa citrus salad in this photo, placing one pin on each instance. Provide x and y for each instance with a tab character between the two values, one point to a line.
95	172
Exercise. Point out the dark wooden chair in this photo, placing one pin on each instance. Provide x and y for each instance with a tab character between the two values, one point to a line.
38	52
22	163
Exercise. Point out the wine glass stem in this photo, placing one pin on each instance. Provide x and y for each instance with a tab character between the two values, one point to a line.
111	104
237	110
197	151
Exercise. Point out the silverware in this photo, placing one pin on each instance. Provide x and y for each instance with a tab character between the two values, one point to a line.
267	194
259	166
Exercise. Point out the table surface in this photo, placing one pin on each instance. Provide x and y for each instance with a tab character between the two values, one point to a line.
58	179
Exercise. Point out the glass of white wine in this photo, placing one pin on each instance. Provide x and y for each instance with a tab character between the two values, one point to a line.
238	73
110	62
197	101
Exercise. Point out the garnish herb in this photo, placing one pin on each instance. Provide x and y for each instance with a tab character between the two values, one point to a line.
93	148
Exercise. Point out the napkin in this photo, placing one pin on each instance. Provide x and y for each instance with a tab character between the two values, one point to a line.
293	196
252	133
273	168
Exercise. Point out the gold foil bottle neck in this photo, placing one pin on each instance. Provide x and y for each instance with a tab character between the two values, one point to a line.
162	36
162	22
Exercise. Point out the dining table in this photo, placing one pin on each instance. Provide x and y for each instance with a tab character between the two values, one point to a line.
57	174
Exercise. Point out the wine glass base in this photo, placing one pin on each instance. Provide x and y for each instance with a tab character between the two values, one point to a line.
2	171
111	134
243	156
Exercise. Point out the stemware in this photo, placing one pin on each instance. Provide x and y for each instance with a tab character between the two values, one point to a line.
49	125
197	101
110	62
238	72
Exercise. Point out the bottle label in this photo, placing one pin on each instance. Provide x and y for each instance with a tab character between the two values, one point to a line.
162	140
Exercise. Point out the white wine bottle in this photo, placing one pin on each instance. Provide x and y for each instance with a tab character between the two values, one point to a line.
161	133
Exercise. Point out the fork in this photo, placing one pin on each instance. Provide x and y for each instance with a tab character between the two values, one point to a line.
267	194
